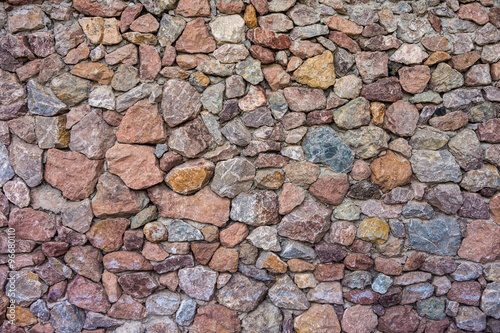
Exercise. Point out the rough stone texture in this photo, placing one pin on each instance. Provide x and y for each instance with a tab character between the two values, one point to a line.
250	166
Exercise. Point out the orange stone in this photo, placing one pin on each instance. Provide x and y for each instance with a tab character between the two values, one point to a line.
437	57
224	260
24	317
93	71
298	266
272	263
320	318
190	177
378	111
250	17
390	171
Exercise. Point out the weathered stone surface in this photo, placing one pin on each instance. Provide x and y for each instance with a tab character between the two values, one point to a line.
383	90
198	282
181	102
435	166
85	261
214	318
301	225
233	177
79	291
390	171
398	319
317	72
353	115
322	144
195	38
107	235
190	140
284	293
479	245
256	208
441	235
209	207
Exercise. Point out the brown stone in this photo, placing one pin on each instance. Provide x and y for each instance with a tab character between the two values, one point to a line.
399	319
383	90
193	8
195	38
190	177
329	272
363	297
87	295
436	43
414	79
150	63
130	13
233	235
462	62
290	197
203	252
204	206
145	23
121	261
344	41
401	118
466	292
190	140
114	198
474	12
73	173
250	16
264	55
110	285
359	319
481	243
320	318
224	260
330	189
348	27
32	224
94	71
268	38
107	235
142	124
495	208
214	318
390	171
437	57
137	166
450	122
127	308
358	261
388	266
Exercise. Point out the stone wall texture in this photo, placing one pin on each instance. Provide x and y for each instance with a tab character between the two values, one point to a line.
253	166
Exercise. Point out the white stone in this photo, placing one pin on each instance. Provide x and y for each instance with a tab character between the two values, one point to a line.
228	29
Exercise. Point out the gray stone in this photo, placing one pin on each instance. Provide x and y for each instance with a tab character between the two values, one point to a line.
215	67
241	293
285	294
186	312
435	166
6	170
70	89
198	282
265	238
256	208
419	210
291	249
146	215
236	132
232	177
126	77
39	309
42	101
416	292
428	138
381	283
367	141
265	318
354	114
440	236
66	317
28	287
444	78
357	279
323	144
432	308
490	301
95	320
466	149
26	160
163	303
470	318
212	98
326	292
475	180
126	100
461	99
92	136
171	28
309	31
180	103
467	271
77	215
102	97
180	231
250	71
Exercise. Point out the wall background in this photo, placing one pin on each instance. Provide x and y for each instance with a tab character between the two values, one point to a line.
250	166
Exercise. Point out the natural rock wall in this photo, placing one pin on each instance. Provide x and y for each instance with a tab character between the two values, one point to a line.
250	166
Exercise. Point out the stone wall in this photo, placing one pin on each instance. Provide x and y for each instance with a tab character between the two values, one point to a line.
250	166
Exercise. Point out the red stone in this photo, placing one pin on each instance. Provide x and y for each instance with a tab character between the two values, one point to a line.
150	63
32	224
268	38
88	295
215	318
330	189
481	243
195	38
